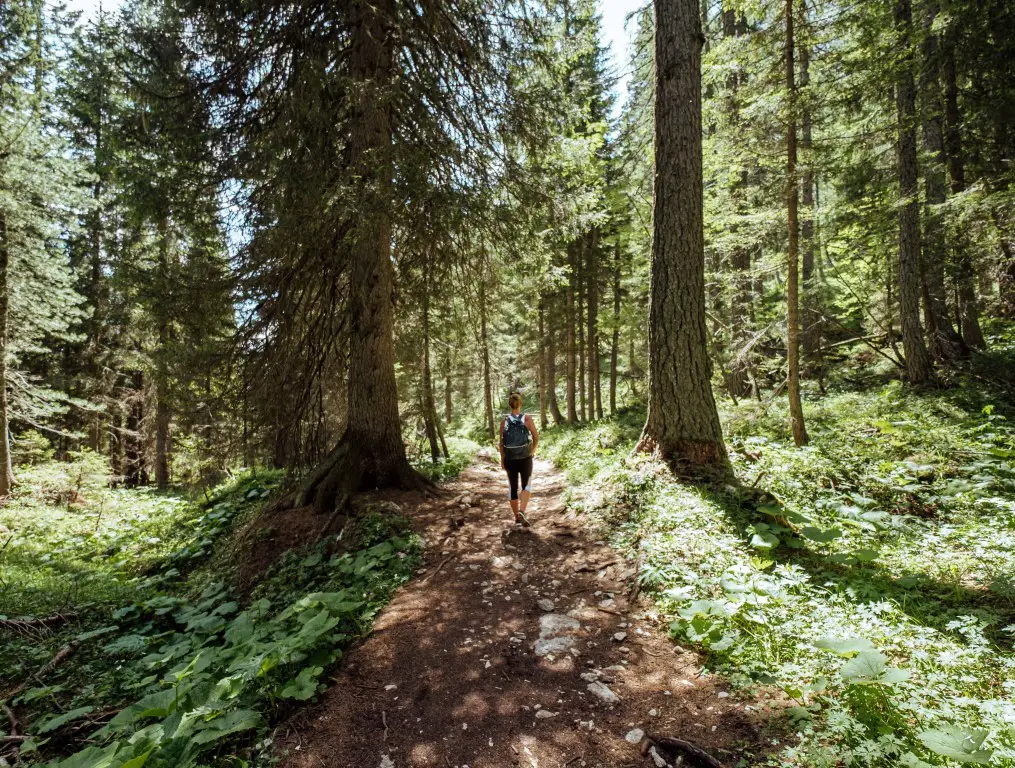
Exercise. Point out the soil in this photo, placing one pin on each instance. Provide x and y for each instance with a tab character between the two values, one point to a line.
449	676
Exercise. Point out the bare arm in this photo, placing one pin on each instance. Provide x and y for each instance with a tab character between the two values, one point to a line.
500	442
531	424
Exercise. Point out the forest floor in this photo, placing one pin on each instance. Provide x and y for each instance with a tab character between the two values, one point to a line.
519	647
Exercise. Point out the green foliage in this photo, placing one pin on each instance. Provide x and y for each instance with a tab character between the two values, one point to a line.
867	576
462	451
193	668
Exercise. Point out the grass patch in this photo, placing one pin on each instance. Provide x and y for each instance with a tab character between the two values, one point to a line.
869	575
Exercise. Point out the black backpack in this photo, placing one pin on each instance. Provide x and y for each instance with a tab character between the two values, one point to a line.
516	437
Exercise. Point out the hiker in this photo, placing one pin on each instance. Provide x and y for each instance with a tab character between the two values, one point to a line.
516	452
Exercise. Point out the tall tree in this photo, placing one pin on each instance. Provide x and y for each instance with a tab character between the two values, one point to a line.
682	425
945	342
796	412
918	363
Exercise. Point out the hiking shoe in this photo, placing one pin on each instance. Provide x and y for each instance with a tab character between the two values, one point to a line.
523	519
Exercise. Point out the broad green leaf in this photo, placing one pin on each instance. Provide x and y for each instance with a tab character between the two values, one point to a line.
959	744
232	722
845	646
140	760
820	535
303	686
92	757
53	723
867	666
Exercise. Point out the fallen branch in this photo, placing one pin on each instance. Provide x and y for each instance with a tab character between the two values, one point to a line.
679	747
34	627
61	656
433	573
610	610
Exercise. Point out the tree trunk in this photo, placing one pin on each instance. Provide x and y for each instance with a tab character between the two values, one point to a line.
796	411
968	307
6	463
485	343
615	341
572	410
135	474
447	388
918	364
945	342
580	326
682	426
541	364
429	407
162	405
811	336
551	368
595	390
371	452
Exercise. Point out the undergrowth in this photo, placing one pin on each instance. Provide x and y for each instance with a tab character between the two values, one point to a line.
868	575
168	665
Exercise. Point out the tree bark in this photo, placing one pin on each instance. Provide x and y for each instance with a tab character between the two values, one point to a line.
448	415
682	426
968	307
945	342
135	474
429	406
615	341
811	336
918	363
371	452
541	363
580	326
570	372
551	368
6	463
796	411
163	413
485	343
595	397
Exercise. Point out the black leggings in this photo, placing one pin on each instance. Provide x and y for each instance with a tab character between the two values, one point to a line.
516	467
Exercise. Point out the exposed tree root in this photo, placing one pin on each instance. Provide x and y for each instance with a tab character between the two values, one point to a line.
351	467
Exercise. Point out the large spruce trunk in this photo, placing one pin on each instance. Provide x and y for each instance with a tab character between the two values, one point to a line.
371	453
945	342
969	312
918	363
682	426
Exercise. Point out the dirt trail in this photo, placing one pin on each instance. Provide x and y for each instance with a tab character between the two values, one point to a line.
450	675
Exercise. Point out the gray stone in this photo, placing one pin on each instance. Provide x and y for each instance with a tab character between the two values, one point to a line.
545	604
603	693
553	645
553	634
635	735
543	714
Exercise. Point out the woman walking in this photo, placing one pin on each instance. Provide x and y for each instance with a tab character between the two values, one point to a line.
516	452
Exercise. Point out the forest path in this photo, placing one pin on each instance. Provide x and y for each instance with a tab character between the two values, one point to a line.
452	675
